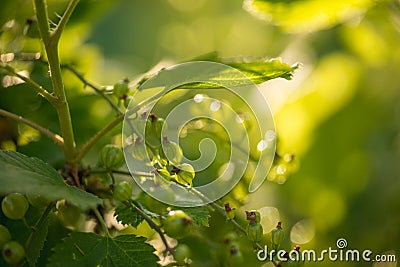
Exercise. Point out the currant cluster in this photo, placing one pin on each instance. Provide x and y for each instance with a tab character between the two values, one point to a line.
111	158
14	207
165	155
122	95
254	233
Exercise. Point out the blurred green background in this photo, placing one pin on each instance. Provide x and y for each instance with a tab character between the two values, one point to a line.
339	116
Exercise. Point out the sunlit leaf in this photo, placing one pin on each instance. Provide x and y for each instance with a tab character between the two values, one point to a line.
307	15
256	69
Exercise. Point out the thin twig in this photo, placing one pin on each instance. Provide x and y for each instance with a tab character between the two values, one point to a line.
80	76
55	137
147	174
153	225
101	220
109	127
38	88
55	36
82	152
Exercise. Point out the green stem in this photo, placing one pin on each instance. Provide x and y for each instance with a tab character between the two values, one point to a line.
55	137
101	220
38	88
86	147
43	19
152	224
110	173
51	47
64	115
26	223
147	174
55	37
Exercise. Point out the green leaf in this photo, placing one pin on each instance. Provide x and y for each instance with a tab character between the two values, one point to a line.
257	70
200	215
306	15
23	174
89	249
261	71
37	241
127	215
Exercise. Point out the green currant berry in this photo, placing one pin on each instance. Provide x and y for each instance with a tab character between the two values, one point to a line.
98	185
114	99
14	206
163	193
177	224
158	126
184	174
230	237
13	252
153	129
181	253
121	88
140	121
254	232
230	213
139	150
31	28
278	235
68	214
122	191
163	173
235	257
254	216
111	157
5	235
38	201
171	151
